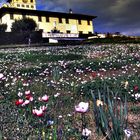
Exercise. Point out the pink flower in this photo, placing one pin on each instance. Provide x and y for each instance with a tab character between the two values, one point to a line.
38	113
82	107
43	108
44	98
1	76
34	111
26	102
28	92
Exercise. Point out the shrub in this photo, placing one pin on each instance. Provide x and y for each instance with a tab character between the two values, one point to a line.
3	27
24	25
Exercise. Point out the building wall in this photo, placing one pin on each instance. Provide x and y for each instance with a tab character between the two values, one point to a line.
23	4
6	20
84	27
73	26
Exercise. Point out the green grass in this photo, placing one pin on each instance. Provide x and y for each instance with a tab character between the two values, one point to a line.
34	57
135	109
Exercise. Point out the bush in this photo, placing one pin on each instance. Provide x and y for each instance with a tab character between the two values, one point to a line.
24	25
3	27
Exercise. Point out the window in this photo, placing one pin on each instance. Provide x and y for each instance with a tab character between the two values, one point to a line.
79	21
47	19
11	16
88	22
18	5
31	0
67	20
27	6
89	33
39	18
68	31
54	24
23	5
60	20
23	16
32	6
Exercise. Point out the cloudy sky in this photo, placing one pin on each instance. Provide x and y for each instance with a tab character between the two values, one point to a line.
112	15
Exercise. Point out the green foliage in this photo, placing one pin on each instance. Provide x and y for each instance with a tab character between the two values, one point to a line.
107	40
135	109
116	85
3	27
24	25
110	115
56	73
45	74
33	57
0	135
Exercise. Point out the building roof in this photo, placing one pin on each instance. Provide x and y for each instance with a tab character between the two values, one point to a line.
4	10
9	0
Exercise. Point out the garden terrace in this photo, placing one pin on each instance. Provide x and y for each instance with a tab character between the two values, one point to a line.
74	92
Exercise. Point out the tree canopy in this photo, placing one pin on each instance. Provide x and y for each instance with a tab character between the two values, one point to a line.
24	25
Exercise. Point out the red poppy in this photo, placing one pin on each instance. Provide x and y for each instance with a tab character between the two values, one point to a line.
19	102
28	97
136	88
93	74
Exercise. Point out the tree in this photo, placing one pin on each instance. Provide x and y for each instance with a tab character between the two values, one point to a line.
24	25
3	27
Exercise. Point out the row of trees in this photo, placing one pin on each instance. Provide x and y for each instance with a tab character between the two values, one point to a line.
22	25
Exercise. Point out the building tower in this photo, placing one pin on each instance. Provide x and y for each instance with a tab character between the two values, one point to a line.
22	4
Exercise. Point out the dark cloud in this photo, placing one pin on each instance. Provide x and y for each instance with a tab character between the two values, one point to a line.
112	15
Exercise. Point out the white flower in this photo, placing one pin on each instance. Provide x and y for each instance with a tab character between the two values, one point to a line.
1	75
50	122
57	94
86	132
137	95
20	94
126	84
69	115
82	107
60	116
128	133
117	98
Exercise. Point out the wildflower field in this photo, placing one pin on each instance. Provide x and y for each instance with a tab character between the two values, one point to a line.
85	92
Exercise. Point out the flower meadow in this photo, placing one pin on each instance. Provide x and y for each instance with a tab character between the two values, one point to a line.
83	92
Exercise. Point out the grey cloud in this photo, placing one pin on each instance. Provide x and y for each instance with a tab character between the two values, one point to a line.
112	15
